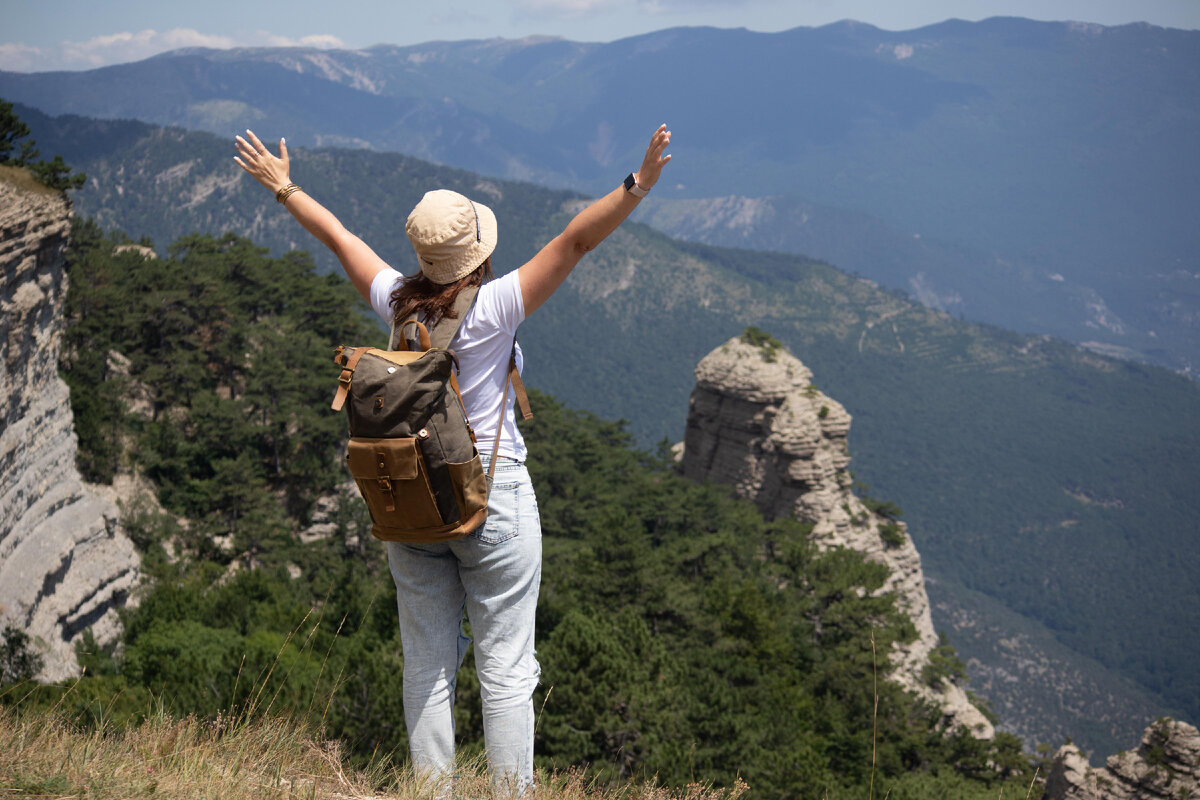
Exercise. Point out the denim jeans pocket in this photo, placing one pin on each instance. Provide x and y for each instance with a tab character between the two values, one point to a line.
501	522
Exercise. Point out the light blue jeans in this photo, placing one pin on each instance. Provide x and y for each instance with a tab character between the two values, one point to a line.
493	574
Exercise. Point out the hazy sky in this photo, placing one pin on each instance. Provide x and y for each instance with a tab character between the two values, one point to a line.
76	34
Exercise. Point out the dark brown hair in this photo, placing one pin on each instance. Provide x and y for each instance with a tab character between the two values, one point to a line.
418	295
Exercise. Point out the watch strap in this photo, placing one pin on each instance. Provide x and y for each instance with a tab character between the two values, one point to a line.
632	187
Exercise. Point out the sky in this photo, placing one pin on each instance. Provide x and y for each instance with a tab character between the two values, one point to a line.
38	35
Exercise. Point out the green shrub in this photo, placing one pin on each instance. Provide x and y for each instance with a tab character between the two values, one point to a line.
768	346
891	534
18	661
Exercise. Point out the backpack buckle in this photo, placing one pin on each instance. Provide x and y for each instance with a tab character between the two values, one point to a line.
385	487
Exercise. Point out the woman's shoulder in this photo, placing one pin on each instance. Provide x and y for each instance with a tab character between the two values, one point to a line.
499	303
382	286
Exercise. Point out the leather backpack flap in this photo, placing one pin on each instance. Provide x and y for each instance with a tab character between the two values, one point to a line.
390	474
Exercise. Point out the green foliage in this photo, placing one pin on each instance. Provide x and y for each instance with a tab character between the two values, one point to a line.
12	131
18	660
891	534
226	353
681	635
944	665
613	690
55	173
767	344
884	508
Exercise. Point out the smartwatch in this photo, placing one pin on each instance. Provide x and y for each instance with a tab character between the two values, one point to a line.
632	187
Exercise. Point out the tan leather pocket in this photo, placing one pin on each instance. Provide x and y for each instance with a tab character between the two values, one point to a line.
391	477
470	486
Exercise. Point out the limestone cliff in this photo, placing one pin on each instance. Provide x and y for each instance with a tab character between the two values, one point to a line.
757	423
64	564
1166	765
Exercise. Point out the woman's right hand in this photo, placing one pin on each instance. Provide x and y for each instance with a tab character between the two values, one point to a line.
262	165
542	274
653	163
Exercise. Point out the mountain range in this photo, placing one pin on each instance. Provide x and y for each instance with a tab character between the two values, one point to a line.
1038	176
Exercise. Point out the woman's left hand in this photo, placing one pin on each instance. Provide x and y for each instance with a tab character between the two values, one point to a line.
652	164
256	159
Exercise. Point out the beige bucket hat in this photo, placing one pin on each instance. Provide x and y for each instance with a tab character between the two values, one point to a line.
451	235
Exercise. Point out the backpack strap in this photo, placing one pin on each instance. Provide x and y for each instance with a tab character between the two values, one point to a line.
348	365
441	334
518	385
514	381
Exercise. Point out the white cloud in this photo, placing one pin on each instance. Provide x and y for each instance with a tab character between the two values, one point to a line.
17	57
119	48
322	40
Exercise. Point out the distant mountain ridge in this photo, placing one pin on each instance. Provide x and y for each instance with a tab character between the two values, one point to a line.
1058	482
1057	159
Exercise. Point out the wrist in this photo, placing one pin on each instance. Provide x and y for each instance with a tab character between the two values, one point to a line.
634	186
286	191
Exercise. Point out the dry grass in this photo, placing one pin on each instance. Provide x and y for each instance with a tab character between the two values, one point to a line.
23	179
42	756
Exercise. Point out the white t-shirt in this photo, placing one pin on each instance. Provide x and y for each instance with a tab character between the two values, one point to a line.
482	344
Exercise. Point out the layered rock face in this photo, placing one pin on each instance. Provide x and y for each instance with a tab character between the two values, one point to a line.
757	422
64	564
1166	765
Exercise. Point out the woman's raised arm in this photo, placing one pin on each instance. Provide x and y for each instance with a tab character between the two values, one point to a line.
546	271
358	260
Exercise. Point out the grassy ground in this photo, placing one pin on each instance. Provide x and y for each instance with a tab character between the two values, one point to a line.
23	178
42	756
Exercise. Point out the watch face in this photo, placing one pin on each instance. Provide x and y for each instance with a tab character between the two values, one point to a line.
629	182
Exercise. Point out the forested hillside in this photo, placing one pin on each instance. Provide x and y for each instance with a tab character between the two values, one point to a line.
1055	481
683	637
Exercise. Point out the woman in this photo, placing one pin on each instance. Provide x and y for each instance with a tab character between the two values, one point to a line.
494	573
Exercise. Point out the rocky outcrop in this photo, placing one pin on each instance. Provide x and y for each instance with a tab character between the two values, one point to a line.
1165	765
64	564
757	422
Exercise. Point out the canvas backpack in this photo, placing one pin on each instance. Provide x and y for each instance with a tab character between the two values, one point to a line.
412	449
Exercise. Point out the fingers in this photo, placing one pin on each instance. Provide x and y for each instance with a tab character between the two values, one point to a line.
658	143
259	146
252	150
655	158
255	158
244	147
